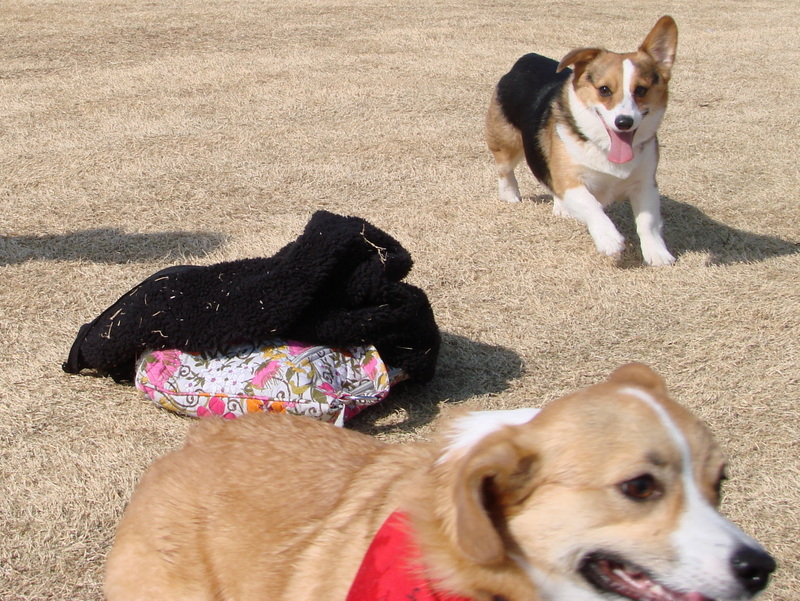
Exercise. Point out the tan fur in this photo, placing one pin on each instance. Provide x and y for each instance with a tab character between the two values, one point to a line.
563	170
279	508
503	139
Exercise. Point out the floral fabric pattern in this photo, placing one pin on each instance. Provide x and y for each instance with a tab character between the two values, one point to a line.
330	384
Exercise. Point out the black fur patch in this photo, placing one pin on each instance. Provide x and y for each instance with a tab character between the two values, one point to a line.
527	95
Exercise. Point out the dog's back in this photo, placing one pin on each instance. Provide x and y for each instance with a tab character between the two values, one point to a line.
241	489
528	88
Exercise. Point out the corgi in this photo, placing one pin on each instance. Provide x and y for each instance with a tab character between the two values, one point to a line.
608	494
589	134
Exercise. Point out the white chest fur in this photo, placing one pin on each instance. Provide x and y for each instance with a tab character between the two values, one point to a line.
609	181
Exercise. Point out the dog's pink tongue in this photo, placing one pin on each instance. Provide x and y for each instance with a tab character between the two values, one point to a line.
621	146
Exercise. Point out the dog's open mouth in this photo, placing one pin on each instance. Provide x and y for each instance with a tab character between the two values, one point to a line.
613	575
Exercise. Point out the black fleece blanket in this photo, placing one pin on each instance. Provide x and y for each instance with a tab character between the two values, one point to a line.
338	284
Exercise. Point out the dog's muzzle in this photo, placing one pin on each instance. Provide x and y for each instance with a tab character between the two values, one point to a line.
750	567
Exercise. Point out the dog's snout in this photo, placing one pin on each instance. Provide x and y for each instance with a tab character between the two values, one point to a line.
624	122
752	567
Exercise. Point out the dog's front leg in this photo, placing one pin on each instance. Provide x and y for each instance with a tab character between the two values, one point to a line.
581	204
646	205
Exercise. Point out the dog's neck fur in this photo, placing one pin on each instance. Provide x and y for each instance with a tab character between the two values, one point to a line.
430	514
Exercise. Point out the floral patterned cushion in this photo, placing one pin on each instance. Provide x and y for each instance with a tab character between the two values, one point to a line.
330	384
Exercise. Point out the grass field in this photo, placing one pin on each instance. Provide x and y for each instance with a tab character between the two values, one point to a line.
140	134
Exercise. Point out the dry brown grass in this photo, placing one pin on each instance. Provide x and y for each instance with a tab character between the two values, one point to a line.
139	134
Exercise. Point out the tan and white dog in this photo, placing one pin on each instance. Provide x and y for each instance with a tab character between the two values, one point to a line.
608	493
589	134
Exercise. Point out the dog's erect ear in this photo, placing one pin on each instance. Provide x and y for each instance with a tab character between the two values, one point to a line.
661	43
490	479
579	57
639	374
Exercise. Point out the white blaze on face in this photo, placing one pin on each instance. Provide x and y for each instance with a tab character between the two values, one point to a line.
704	541
627	105
621	150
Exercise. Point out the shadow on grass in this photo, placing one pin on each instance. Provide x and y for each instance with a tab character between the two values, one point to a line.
107	245
466	369
688	229
538	199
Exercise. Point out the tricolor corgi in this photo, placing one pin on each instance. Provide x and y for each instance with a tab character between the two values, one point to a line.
608	494
589	134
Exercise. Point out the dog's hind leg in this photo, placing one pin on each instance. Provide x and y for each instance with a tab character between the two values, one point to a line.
505	142
507	186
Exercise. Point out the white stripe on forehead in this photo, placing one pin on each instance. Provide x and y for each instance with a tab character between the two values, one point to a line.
675	433
627	74
628	69
627	103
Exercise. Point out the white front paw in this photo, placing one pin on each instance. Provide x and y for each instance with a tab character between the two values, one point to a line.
657	254
608	241
559	210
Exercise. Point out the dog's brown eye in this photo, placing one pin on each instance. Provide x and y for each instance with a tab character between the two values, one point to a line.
604	91
640	91
641	488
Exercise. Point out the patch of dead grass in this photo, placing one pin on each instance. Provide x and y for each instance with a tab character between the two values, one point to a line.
140	134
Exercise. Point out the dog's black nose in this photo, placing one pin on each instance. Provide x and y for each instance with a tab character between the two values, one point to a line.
752	567
624	122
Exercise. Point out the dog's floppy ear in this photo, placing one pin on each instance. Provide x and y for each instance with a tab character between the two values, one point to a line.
579	57
639	374
661	43
488	481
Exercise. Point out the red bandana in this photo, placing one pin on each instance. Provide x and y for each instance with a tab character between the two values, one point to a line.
390	572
